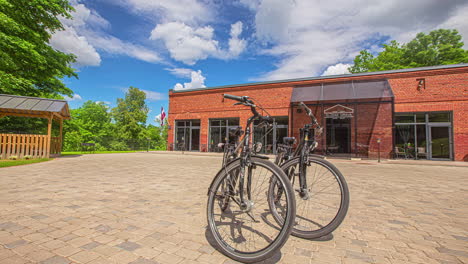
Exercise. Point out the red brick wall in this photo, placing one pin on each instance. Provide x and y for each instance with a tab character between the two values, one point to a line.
443	92
206	104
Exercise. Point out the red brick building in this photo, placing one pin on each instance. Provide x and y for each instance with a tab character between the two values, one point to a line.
414	113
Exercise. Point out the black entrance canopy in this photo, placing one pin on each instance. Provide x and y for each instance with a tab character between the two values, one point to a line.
343	91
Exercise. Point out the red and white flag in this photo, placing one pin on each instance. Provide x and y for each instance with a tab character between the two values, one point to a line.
163	115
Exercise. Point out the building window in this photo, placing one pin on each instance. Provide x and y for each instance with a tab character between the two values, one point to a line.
219	129
271	136
187	135
439	117
424	135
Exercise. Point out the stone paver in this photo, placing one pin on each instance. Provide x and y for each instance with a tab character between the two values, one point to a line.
145	208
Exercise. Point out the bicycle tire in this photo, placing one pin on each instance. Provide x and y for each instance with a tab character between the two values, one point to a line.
283	230
326	228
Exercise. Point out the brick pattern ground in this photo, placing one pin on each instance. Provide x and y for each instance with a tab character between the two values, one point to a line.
148	208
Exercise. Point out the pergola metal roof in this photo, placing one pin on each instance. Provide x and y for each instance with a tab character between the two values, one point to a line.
350	90
33	106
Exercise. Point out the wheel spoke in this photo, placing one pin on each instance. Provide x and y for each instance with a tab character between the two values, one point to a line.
325	196
247	229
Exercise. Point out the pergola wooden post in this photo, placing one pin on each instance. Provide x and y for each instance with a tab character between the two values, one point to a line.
49	134
37	146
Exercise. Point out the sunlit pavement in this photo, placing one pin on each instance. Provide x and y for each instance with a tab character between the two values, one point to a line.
150	208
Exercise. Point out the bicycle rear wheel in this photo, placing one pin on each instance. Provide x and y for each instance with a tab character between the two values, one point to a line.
249	234
326	204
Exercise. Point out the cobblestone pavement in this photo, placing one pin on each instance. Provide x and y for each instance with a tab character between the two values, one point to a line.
145	208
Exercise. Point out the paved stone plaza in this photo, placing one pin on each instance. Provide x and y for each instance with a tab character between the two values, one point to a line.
150	208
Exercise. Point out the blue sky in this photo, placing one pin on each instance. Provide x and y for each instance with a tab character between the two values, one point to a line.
157	45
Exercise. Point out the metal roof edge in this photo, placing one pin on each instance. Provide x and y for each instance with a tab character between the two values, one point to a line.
438	67
31	97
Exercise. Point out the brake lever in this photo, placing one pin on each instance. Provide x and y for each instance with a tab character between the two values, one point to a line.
239	103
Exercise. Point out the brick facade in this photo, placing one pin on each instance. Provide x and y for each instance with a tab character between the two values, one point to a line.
444	89
207	104
447	91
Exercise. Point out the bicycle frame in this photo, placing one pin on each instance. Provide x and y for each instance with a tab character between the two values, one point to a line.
245	154
307	144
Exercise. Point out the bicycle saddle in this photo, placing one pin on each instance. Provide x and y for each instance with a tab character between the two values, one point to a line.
289	140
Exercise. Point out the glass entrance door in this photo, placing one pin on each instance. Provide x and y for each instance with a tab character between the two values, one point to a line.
338	135
187	135
440	142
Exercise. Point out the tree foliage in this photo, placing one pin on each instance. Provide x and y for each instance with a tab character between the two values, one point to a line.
28	64
91	123
439	47
121	128
131	113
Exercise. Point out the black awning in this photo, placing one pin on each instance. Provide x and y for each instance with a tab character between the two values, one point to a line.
373	89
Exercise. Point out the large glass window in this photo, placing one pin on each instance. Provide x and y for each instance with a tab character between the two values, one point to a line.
187	134
404	118
273	135
439	117
422	137
219	129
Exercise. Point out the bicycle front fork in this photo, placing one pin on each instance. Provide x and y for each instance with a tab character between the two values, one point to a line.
245	204
303	190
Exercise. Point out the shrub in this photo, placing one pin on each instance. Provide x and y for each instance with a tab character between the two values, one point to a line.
13	157
27	157
118	146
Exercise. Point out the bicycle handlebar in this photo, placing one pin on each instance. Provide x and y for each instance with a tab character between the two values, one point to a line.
241	99
307	109
309	113
244	100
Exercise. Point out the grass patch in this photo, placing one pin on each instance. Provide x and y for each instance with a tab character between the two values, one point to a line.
69	153
10	163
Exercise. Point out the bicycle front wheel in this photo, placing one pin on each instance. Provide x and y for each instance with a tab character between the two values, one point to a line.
249	233
323	206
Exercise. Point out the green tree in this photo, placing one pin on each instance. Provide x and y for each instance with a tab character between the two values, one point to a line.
439	47
153	133
130	114
91	123
28	64
164	132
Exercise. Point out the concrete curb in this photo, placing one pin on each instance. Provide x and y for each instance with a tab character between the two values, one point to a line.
401	162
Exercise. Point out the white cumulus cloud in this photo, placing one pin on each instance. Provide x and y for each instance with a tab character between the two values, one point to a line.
197	81
75	97
69	41
188	11
236	44
113	45
307	35
153	96
85	35
337	69
180	72
104	102
189	44
185	43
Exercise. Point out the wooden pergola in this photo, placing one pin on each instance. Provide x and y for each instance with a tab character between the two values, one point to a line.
34	145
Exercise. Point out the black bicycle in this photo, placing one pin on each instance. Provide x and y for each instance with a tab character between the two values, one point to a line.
238	210
322	195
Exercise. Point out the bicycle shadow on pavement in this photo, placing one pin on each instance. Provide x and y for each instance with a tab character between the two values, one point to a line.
322	238
209	237
265	218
